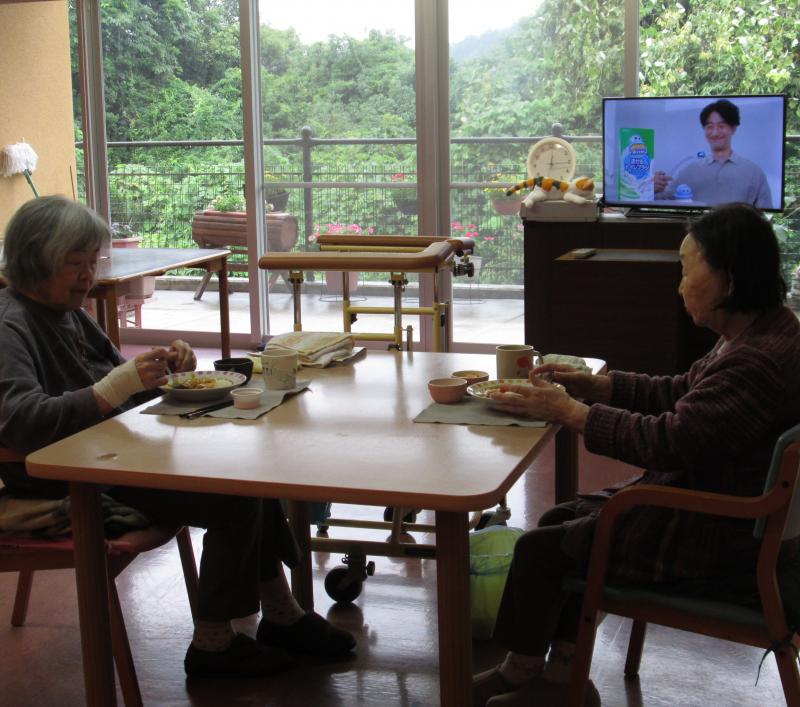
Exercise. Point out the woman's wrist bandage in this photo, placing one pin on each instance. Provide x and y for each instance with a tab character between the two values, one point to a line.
119	384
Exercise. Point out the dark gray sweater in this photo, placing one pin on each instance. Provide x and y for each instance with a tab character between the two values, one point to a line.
49	361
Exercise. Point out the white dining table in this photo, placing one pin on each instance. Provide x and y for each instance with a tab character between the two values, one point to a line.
349	438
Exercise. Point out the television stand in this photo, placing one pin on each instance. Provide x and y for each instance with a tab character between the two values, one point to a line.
614	306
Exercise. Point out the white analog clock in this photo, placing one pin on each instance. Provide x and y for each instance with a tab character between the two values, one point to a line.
552	157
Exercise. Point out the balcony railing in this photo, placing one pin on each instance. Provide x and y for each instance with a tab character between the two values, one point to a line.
159	201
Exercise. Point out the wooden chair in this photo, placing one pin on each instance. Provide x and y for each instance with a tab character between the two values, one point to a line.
26	556
777	517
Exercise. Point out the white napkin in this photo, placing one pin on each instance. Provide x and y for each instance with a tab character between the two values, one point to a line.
269	399
316	349
471	411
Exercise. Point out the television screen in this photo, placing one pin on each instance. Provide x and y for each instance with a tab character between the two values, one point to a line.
693	152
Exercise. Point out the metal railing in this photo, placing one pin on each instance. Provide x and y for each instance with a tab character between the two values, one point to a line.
370	197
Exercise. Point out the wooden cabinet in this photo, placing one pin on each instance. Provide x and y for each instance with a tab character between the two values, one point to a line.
621	304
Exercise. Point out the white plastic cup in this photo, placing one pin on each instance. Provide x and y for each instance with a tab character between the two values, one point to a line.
279	369
516	360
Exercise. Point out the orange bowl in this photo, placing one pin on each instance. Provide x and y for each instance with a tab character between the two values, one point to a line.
447	390
471	376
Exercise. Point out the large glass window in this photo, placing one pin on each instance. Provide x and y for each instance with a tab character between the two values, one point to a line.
341	127
512	78
339	124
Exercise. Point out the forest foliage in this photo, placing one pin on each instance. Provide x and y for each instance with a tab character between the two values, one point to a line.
172	72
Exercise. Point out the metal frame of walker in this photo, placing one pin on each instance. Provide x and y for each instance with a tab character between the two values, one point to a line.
395	255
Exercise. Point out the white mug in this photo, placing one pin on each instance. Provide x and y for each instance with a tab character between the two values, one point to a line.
279	369
516	360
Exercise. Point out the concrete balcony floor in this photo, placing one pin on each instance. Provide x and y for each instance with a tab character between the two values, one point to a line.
477	318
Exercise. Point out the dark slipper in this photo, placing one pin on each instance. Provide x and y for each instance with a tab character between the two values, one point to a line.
243	658
312	635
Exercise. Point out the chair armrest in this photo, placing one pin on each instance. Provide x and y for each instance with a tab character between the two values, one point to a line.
754	507
9	455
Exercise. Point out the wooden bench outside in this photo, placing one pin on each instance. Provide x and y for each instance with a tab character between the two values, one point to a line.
228	229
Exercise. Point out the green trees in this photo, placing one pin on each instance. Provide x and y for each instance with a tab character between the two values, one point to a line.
173	73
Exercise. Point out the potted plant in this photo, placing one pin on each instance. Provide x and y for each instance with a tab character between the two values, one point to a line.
505	205
404	199
123	236
228	202
277	198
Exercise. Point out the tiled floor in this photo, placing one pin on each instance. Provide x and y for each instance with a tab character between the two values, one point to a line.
394	621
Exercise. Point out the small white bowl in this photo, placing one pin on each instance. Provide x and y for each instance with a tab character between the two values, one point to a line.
246	398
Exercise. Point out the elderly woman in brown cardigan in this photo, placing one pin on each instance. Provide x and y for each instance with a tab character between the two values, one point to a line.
711	429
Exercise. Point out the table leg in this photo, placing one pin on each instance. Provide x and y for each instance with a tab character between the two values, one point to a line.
455	628
224	311
566	466
302	583
90	577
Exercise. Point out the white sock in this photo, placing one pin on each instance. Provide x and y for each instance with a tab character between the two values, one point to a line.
518	668
559	662
278	604
213	636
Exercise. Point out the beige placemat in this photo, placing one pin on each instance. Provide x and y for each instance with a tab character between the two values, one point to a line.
471	411
269	399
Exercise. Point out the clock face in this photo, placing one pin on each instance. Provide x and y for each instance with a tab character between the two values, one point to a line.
552	157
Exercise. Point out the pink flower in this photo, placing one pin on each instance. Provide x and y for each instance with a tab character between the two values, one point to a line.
456	226
354	227
488	238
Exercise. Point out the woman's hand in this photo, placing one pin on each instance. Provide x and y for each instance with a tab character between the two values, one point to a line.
541	401
152	367
578	384
181	358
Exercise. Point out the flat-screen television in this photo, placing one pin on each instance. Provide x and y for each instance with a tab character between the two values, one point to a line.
694	152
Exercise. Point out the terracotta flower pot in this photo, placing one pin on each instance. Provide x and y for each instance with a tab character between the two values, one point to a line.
507	206
130	242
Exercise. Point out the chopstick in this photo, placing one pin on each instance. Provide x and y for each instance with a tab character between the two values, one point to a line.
208	408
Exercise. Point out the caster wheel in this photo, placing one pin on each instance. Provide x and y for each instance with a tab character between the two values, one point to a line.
342	586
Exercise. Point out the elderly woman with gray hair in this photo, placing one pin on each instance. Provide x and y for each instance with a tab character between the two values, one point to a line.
59	374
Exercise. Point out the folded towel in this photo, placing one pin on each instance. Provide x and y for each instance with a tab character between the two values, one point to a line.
316	349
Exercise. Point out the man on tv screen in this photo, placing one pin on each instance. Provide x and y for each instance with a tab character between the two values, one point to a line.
721	176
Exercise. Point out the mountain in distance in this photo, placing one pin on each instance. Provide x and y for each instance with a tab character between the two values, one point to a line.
473	47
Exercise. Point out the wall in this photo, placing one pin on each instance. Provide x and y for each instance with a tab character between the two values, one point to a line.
36	98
